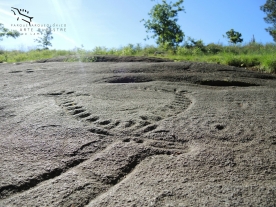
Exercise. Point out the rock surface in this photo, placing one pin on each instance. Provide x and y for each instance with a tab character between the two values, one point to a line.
136	134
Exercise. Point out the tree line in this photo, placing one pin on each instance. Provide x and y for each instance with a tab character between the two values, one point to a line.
163	24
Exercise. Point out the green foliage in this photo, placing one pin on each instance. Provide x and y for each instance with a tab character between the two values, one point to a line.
149	50
214	48
258	56
44	41
56	53
4	32
196	45
100	51
269	63
243	61
233	36
113	51
163	24
183	51
272	65
270	9
232	49
129	50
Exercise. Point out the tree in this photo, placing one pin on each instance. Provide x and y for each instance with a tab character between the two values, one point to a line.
270	9
192	43
163	24
233	36
253	41
44	41
4	32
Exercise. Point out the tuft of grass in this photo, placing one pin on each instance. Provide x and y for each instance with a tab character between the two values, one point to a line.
269	64
242	61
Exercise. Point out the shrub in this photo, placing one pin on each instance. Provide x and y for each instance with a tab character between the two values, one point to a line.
214	48
232	49
128	50
183	51
21	57
214	59
138	48
234	61
113	51
61	52
251	48
100	51
2	58
192	44
197	51
150	49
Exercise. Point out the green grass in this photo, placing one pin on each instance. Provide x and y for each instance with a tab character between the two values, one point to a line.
252	56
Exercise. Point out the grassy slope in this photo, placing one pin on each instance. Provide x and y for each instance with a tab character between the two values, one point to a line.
253	56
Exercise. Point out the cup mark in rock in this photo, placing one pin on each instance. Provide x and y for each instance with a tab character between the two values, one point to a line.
162	131
66	102
144	117
150	128
29	71
99	131
144	123
58	93
69	104
73	107
126	140
137	140
129	123
84	115
219	127
93	119
156	118
117	123
105	122
77	111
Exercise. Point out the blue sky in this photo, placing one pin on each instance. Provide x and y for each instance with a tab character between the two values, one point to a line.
114	24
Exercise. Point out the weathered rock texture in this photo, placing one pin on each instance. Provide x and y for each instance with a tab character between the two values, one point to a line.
136	134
